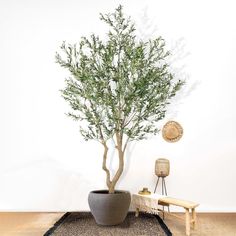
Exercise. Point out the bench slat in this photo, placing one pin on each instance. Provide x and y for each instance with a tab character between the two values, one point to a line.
178	202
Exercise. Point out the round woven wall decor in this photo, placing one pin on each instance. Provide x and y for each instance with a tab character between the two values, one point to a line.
172	131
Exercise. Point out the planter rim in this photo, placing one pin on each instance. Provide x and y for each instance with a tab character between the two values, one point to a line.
105	191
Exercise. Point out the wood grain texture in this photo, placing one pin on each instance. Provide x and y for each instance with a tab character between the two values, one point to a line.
27	224
178	202
208	224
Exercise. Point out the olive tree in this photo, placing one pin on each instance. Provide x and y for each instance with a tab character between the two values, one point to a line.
119	87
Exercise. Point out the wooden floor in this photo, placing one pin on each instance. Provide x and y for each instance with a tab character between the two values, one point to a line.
208	224
36	224
27	224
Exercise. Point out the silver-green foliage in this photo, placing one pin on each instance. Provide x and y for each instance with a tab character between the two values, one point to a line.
120	85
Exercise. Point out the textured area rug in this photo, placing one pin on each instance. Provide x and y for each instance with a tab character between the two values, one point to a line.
83	224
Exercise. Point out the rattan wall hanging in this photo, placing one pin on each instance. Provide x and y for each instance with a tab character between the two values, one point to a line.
172	131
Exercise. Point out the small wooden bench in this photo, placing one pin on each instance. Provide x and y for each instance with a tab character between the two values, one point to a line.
190	212
189	208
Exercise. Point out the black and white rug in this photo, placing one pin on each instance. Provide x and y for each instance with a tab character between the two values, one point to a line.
83	224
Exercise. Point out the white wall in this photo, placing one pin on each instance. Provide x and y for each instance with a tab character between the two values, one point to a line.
45	164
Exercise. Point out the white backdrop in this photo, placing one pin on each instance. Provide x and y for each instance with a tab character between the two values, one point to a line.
44	163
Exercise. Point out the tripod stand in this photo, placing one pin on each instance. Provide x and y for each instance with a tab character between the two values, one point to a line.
163	190
163	185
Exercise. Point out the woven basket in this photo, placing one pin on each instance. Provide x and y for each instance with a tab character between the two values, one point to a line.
162	167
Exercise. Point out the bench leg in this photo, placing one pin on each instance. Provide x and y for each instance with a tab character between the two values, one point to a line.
194	218
187	221
163	214
137	212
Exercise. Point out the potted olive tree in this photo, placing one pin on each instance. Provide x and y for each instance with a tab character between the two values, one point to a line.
119	89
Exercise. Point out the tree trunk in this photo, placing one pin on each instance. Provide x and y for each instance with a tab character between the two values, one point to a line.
104	166
112	183
119	172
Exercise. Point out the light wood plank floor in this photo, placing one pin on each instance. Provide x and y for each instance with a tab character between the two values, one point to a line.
36	224
27	224
208	224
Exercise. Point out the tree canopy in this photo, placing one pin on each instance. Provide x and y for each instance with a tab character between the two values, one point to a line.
119	87
122	85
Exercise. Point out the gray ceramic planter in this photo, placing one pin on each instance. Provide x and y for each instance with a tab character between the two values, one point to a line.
109	208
